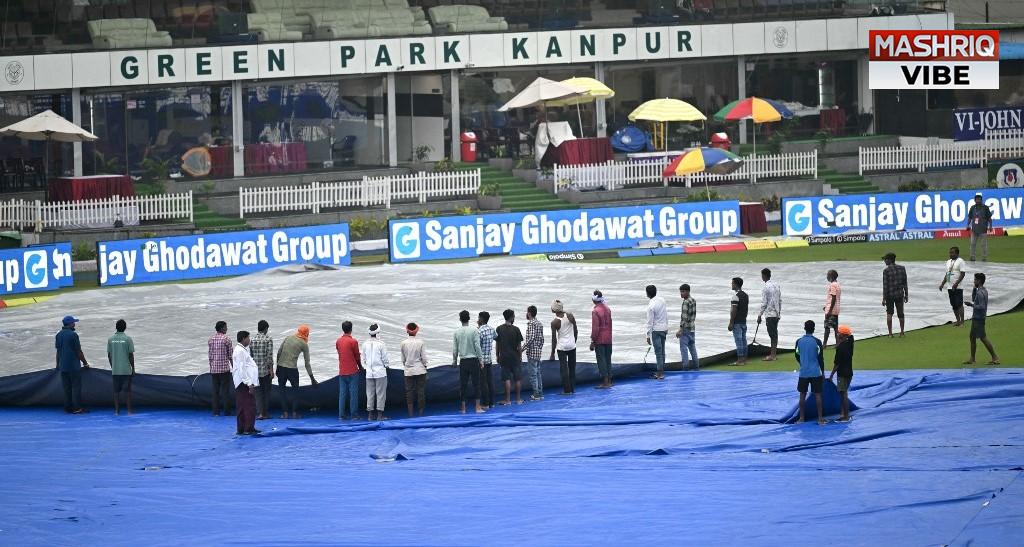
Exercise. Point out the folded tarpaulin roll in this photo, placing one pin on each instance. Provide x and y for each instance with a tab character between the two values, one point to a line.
630	139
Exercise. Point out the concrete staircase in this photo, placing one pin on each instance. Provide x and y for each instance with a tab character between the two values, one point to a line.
516	195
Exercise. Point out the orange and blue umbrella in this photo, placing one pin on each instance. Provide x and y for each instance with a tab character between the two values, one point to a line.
701	160
754	108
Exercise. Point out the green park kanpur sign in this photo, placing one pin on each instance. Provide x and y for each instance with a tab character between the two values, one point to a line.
302	59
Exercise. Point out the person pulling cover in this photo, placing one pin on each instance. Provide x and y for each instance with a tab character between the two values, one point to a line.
245	376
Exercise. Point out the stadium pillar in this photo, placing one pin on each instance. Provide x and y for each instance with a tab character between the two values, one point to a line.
237	129
76	118
392	121
599	105
741	83
865	97
456	122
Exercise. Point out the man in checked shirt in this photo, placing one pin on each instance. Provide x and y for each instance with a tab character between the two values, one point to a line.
487	336
261	348
534	348
220	349
895	292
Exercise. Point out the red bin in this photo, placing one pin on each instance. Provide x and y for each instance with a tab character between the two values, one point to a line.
468	139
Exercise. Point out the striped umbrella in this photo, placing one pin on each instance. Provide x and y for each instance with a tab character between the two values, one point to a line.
663	111
703	160
590	90
756	109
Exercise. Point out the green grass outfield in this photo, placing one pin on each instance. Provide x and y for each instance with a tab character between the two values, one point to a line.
1000	249
944	346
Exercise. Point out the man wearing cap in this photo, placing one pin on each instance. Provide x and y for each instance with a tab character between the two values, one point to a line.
601	338
895	291
564	334
288	370
414	363
843	367
70	362
979	220
375	361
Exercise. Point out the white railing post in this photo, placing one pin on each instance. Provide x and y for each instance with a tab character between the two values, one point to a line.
422	182
191	209
315	197
39	216
241	201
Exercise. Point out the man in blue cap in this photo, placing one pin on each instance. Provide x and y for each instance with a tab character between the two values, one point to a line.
70	362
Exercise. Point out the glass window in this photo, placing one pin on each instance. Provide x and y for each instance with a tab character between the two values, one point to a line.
296	126
26	158
156	134
481	94
708	86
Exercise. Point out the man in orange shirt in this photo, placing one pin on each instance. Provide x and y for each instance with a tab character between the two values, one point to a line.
349	366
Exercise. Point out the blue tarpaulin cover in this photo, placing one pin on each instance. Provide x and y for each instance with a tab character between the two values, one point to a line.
931	458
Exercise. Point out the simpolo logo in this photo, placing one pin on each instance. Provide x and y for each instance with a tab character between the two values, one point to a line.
798	218
35	270
405	241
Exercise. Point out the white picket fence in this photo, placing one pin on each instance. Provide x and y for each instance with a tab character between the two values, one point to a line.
1005	143
620	174
368	192
38	215
919	158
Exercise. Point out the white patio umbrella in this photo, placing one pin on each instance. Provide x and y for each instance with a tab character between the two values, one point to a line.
538	93
47	126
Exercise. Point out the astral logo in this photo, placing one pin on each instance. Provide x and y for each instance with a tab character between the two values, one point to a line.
405	241
35	270
798	218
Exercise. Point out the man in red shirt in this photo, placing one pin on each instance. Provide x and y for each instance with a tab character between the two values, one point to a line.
601	338
348	373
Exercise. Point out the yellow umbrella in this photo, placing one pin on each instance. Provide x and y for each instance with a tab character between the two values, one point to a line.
666	110
589	91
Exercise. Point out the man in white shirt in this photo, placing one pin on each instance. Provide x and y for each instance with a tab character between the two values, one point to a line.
954	276
245	376
771	309
414	361
657	328
375	362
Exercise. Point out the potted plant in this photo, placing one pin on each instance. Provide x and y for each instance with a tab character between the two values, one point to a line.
420	156
500	158
443	166
488	198
526	170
